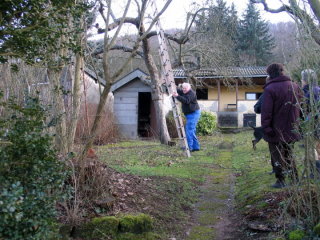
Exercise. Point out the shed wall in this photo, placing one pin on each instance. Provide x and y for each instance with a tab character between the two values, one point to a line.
126	107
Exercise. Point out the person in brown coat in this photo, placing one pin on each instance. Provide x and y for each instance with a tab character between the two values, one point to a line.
279	118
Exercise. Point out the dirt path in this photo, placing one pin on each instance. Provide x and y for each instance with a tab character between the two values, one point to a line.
215	216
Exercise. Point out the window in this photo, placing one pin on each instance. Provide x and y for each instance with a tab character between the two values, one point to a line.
202	93
252	95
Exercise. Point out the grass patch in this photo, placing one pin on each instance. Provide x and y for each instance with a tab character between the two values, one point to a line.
252	168
208	218
210	206
178	178
154	160
253	180
201	233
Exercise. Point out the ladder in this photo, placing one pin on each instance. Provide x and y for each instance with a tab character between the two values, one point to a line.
168	80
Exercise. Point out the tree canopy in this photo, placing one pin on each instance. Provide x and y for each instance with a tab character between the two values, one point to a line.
254	43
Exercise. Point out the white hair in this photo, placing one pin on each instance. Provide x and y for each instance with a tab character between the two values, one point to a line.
308	75
186	85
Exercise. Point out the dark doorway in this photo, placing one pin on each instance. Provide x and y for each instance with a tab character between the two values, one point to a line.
202	93
144	114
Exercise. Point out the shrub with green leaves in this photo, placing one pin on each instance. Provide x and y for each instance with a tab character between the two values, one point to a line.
31	176
207	123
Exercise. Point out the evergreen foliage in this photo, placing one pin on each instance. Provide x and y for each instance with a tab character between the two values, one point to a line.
216	30
219	19
34	29
254	41
31	176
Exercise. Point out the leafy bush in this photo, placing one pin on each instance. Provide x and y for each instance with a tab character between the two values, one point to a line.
31	176
316	229
207	123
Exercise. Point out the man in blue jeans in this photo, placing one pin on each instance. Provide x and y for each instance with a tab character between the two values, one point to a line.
191	110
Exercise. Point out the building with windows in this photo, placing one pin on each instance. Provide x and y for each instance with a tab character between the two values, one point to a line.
230	93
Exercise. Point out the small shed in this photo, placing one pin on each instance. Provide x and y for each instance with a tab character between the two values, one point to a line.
229	93
133	106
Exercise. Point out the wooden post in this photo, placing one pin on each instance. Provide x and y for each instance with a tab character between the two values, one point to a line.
86	106
218	83
237	100
237	91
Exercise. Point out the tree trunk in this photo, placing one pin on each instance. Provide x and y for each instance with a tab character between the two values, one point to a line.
76	102
161	121
157	95
97	120
59	112
76	92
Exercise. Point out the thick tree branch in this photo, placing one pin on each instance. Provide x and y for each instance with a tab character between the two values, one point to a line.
120	47
283	8
134	21
315	6
115	36
116	23
187	29
181	40
299	14
156	18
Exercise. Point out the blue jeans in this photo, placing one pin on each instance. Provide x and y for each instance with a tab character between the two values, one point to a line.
191	125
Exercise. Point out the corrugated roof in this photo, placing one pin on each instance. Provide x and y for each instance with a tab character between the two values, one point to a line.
137	73
224	72
94	76
230	72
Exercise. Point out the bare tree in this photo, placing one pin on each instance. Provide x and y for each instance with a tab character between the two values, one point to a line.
305	12
286	41
140	46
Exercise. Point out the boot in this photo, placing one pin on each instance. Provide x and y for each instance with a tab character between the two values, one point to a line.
279	184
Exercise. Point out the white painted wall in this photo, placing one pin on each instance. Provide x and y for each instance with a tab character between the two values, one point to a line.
209	106
244	107
247	107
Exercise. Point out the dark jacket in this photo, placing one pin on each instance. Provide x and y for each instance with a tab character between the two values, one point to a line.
307	97
280	110
188	100
258	105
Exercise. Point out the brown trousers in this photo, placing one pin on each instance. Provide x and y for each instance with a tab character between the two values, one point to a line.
282	160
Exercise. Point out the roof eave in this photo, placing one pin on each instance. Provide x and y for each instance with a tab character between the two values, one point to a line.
219	77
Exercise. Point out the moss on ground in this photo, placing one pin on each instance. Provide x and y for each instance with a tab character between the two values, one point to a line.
296	235
210	206
143	236
98	228
207	218
124	227
201	233
135	224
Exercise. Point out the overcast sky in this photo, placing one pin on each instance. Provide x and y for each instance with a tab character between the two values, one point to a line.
176	13
175	16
